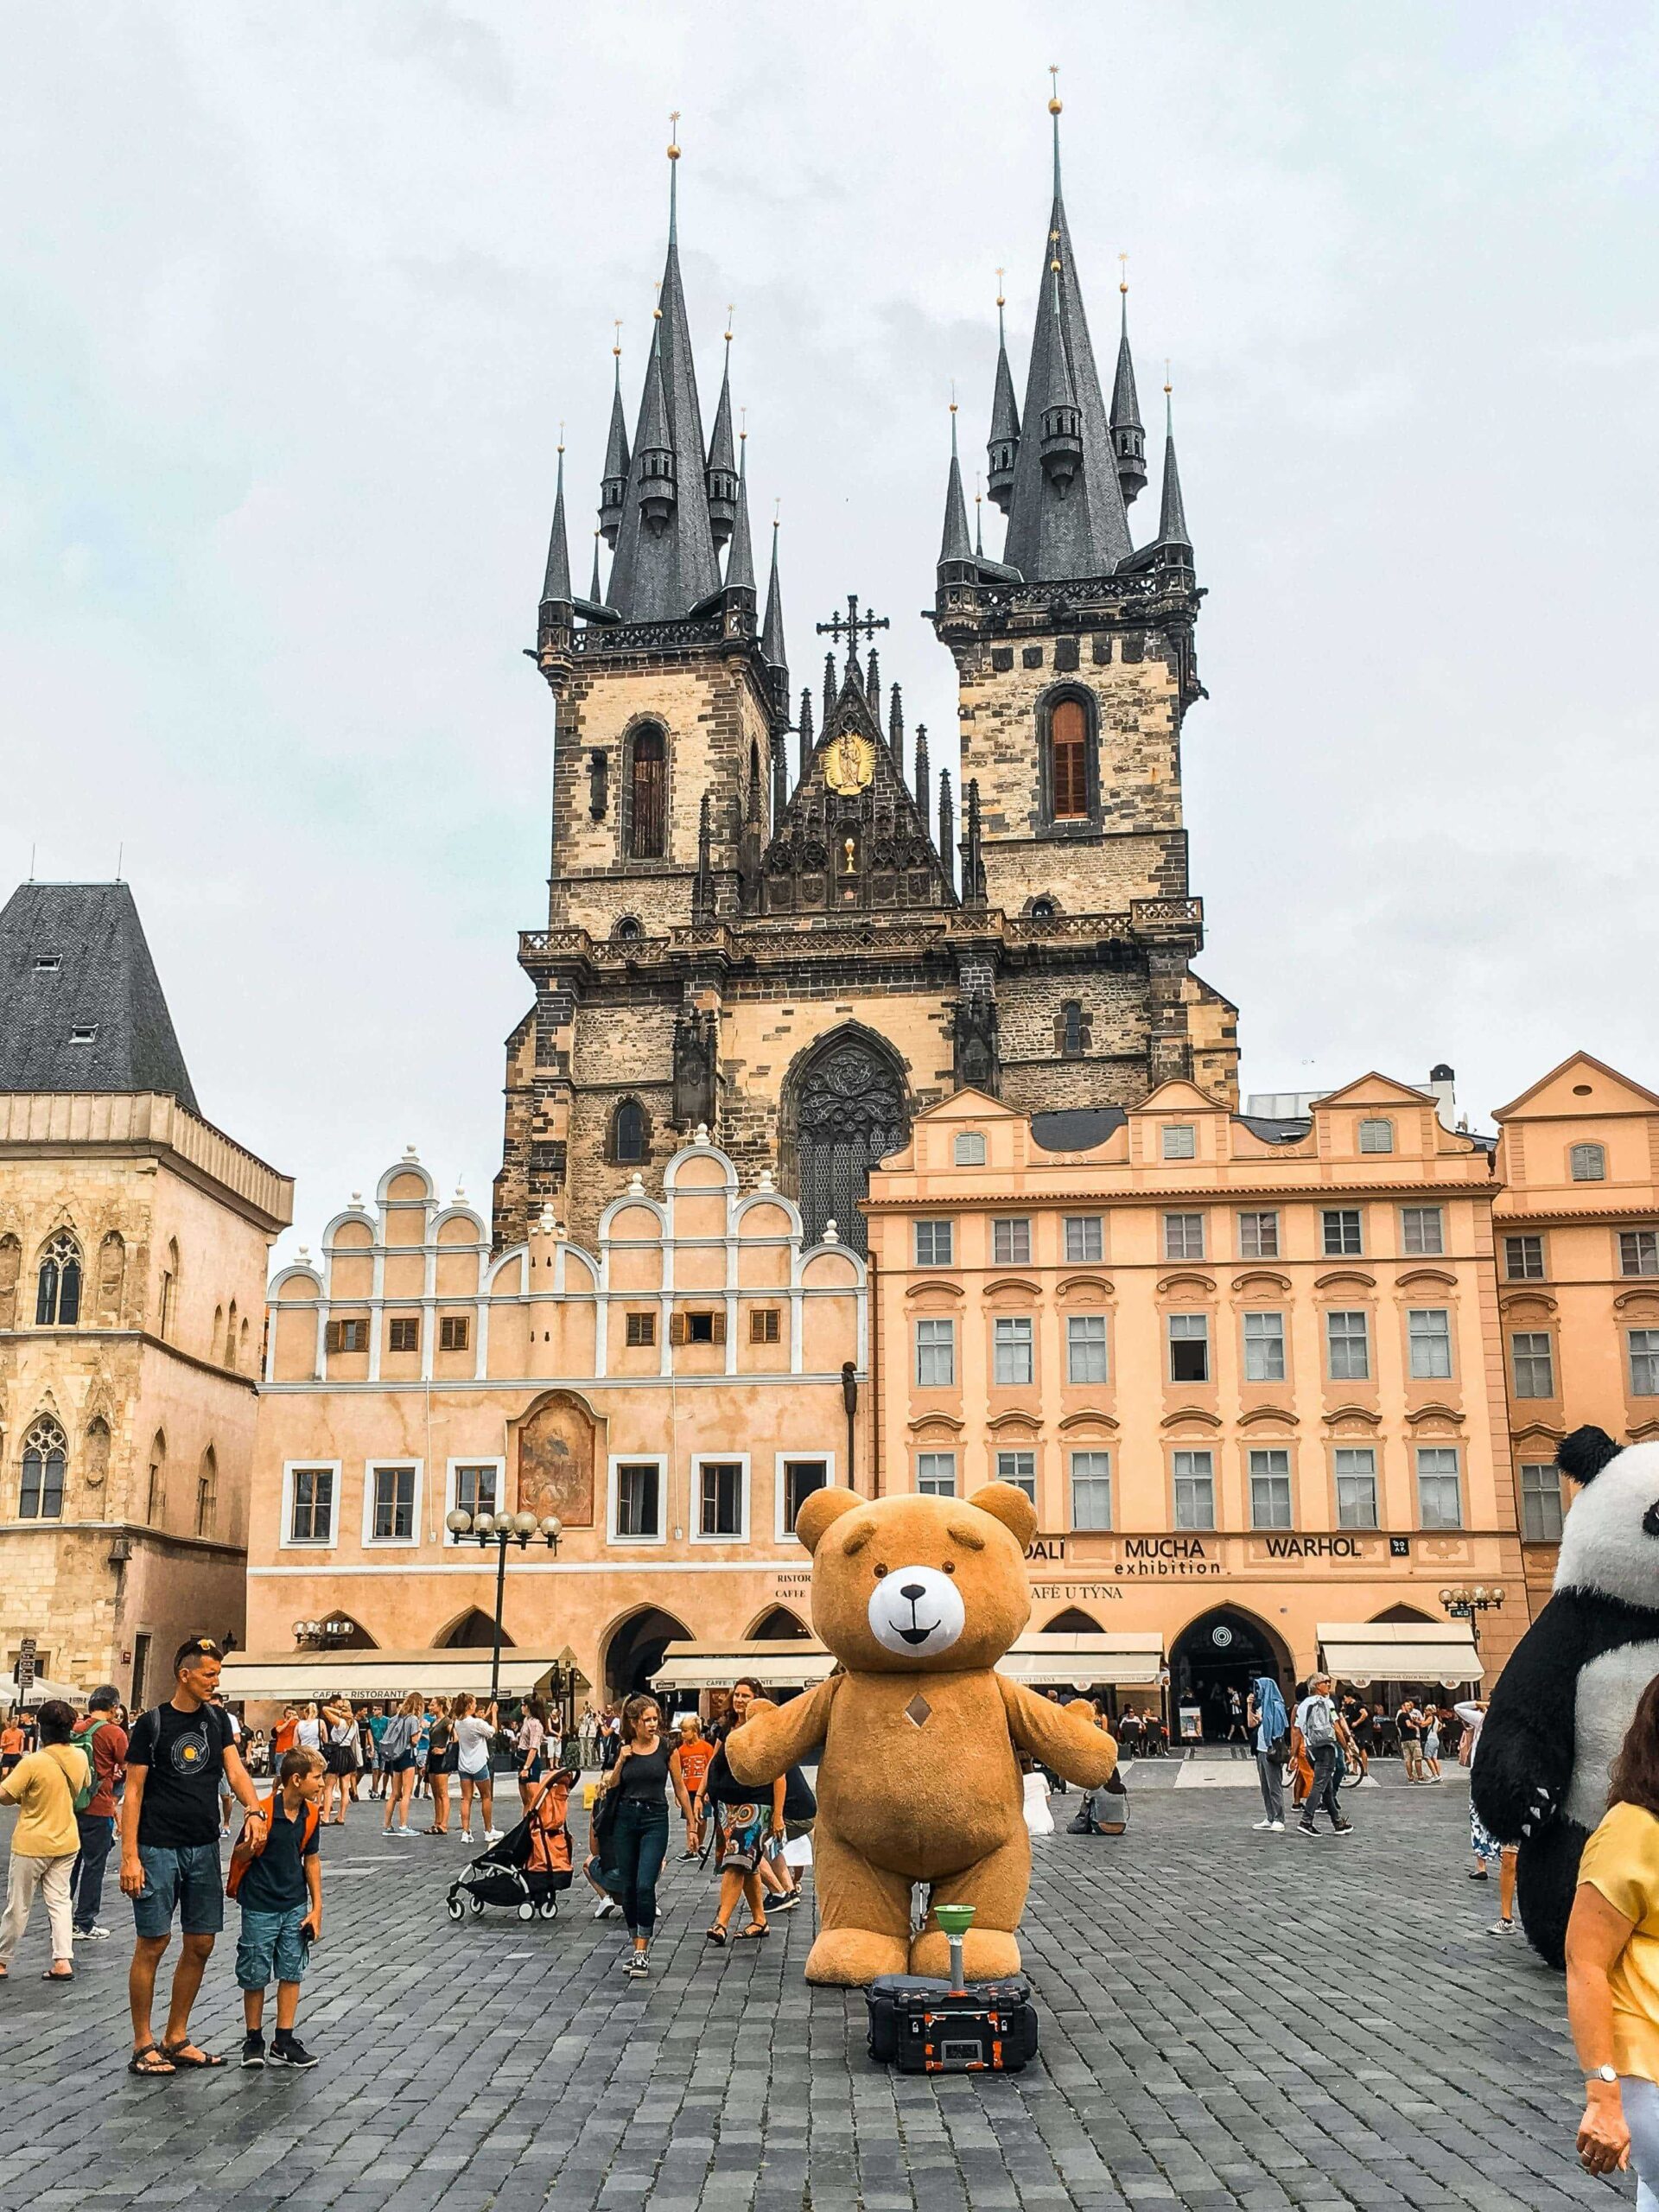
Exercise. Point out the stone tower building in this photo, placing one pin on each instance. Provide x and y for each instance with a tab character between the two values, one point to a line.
764	921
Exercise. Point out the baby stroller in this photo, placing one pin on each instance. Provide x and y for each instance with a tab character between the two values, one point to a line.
525	1872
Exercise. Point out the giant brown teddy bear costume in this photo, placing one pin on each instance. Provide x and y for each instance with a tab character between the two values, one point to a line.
920	1777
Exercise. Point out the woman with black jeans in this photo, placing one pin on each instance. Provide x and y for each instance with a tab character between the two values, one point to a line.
636	1831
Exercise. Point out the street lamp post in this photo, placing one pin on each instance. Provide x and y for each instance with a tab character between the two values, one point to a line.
1464	1604
502	1529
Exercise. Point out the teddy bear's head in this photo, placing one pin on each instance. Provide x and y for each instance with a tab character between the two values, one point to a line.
915	1585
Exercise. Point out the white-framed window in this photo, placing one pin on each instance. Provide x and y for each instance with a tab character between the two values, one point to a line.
1264	1347
797	1475
969	1150
1340	1228
1638	1251
1376	1134
1010	1242
310	1504
1085	1348
1523	1259
1534	1364
1092	1490
391	1501
1258	1237
936	1355
1085	1238
720	1498
1428	1337
1180	1141
935	1243
1541	1502
1011	1350
1355	1486
1644	1363
1183	1236
1194	1476
638	1499
1269	1487
1348	1347
1439	1492
1587	1163
1189	1348
936	1474
1422	1230
473	1485
1018	1468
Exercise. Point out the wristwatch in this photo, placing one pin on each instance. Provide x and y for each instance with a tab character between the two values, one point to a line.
1602	2073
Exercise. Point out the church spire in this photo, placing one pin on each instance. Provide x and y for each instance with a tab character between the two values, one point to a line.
740	562
1004	444
721	474
614	484
596	597
1171	521
771	628
1065	508
956	552
555	584
1128	434
665	559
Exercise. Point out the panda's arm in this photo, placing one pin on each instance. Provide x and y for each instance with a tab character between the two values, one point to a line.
1523	1761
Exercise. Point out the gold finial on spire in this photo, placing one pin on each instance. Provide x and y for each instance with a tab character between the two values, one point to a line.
561	444
777	512
1054	104
1000	301
673	134
657	311
730	311
617	346
1168	387
742	424
1123	281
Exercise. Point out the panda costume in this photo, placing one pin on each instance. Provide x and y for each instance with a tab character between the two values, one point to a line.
1562	1705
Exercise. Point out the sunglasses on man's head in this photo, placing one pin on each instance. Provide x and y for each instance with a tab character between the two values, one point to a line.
205	1648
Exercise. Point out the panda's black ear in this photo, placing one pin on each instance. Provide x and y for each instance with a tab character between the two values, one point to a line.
1585	1453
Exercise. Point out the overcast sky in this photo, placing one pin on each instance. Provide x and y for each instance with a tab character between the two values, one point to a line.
292	301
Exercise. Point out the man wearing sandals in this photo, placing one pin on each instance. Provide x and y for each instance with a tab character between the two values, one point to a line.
177	1757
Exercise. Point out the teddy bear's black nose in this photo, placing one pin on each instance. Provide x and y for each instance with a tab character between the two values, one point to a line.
913	1590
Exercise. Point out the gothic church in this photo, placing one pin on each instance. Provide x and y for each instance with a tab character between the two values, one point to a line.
770	922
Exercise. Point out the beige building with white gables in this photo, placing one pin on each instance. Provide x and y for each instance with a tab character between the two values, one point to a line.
135	1241
668	1394
1247	1370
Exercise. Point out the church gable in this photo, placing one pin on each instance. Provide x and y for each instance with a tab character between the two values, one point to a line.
852	837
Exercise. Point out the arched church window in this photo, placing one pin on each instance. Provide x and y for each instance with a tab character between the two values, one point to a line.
850	1110
1068	760
1071	1029
630	1132
207	1493
57	1289
648	795
1043	910
628	930
39	1497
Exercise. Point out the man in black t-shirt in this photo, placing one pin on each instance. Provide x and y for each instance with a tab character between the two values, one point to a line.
176	1756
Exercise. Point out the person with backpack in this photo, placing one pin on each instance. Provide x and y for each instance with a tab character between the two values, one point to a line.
103	1739
1317	1718
277	1878
1270	1733
397	1755
50	1786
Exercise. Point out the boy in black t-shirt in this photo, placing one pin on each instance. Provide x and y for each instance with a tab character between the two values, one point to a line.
280	1896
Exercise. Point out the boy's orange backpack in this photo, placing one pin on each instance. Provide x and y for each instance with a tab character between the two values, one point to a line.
244	1850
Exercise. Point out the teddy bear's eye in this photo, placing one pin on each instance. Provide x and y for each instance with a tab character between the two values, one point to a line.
879	1570
950	1566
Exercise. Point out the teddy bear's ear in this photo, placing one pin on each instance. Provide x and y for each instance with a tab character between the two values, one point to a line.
822	1510
1006	1505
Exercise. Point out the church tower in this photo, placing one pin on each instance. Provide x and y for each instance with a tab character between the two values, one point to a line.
1076	665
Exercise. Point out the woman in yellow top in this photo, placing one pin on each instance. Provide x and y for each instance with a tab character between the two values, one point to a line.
1613	1966
45	1839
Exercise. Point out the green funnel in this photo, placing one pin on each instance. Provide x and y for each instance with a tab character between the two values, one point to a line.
955	1919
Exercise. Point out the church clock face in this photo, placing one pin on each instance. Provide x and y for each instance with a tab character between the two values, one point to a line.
849	763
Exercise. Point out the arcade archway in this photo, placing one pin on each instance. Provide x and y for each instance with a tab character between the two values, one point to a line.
779	1625
634	1651
474	1631
1220	1652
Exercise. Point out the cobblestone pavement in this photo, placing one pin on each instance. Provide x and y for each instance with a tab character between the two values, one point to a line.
1228	2019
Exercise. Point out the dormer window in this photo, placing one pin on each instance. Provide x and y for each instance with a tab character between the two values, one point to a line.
970	1150
48	963
86	1034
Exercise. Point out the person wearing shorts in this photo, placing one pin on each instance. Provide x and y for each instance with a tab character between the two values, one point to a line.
176	1756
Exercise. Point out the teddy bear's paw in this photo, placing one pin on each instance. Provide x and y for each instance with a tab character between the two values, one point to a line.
987	1953
847	1958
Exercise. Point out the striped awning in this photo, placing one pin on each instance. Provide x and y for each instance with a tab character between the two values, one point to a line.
1131	1659
794	1663
378	1675
1400	1651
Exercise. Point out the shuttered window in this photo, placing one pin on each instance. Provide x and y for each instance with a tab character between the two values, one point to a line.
648	809
697	1328
1068	746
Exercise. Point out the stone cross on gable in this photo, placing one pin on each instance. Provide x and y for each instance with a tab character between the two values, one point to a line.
851	626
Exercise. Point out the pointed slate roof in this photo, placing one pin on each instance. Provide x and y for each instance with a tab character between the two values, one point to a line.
955	546
1128	432
771	629
555	584
616	454
660	576
1004	417
1171	520
73	962
740	562
1082	532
